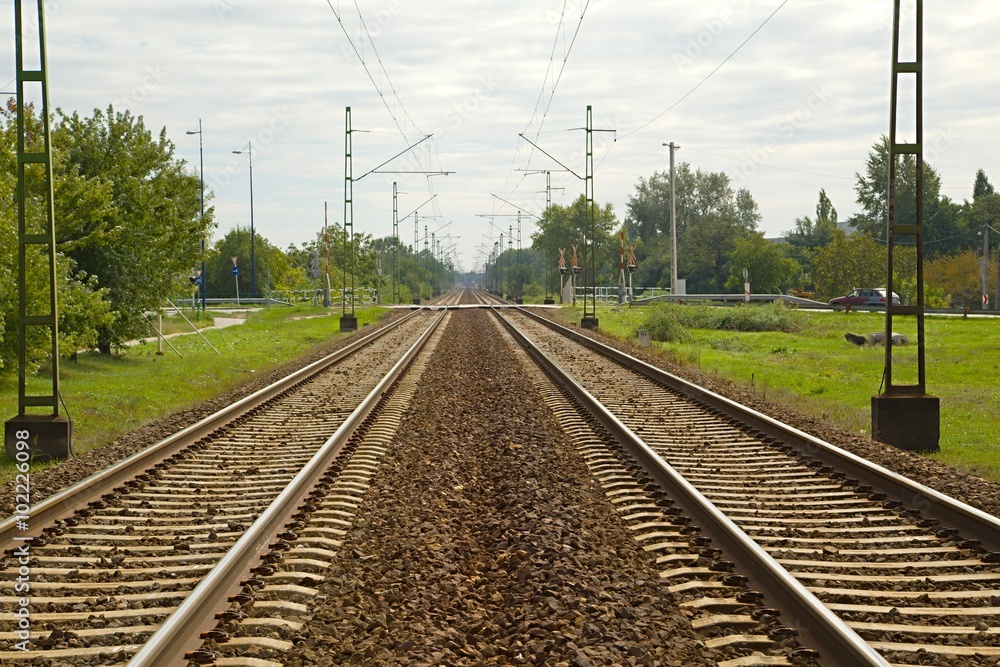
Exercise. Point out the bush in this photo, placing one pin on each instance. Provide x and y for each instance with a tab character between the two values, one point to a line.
664	324
667	321
770	317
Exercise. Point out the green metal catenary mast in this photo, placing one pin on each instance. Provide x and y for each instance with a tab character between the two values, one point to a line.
47	435
905	415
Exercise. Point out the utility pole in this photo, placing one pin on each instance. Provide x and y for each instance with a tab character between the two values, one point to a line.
518	296
510	274
621	268
673	222
589	319
986	264
326	252
416	254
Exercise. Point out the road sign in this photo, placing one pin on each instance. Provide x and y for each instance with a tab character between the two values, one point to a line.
986	300
236	270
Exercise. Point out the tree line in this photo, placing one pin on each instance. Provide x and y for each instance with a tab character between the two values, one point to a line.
129	234
718	236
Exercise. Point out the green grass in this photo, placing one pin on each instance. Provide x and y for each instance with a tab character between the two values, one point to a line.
107	396
817	372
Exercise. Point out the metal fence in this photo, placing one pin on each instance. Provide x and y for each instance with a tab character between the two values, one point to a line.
362	297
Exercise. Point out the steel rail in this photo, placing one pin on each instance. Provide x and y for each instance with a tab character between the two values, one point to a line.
819	627
100	483
181	631
968	520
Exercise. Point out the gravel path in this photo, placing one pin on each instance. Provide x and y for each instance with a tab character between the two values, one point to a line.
482	544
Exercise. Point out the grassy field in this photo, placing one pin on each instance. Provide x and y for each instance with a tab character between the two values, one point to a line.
108	396
816	371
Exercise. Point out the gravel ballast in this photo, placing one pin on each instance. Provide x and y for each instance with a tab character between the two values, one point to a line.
482	542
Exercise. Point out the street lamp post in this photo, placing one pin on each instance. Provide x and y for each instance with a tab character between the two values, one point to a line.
201	178
253	263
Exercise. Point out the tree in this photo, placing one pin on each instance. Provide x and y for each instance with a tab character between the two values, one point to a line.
146	235
270	264
810	234
769	269
982	185
565	226
848	262
957	275
944	228
83	305
711	216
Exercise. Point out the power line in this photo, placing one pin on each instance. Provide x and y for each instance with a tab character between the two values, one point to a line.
382	69
768	166
378	89
541	93
562	69
710	74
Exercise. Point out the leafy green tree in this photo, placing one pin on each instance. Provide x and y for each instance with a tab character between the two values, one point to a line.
958	275
565	226
711	216
945	229
270	265
810	234
83	305
770	271
982	185
146	237
848	262
649	206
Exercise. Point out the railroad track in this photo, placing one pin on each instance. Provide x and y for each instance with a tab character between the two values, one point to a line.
114	557
870	569
782	549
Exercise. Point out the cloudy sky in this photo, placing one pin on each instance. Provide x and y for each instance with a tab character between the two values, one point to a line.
794	110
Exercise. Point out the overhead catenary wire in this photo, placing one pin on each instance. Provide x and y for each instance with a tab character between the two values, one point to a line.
708	76
383	72
507	188
767	166
382	69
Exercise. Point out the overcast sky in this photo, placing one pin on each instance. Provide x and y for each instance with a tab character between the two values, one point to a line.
808	93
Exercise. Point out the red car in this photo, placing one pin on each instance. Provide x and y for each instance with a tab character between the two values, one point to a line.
865	296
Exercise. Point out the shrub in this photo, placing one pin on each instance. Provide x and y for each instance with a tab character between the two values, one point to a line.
664	325
667	321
